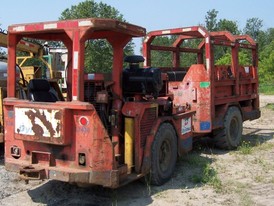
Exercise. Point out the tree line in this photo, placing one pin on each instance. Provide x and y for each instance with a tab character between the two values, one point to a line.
254	28
99	53
222	55
101	61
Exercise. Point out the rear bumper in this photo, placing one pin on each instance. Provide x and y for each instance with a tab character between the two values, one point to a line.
35	172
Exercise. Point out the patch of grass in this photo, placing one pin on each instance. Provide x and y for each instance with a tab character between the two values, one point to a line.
245	199
265	146
147	180
235	186
195	159
204	172
208	176
259	178
265	165
161	194
255	144
270	106
266	89
240	189
258	160
245	148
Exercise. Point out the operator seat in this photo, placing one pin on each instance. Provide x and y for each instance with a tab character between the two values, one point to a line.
39	91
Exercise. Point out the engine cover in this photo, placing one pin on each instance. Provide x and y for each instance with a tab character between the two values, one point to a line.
146	81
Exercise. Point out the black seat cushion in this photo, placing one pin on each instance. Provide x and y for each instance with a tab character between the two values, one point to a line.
39	91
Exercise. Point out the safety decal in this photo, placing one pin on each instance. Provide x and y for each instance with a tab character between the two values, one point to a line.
204	126
204	84
186	125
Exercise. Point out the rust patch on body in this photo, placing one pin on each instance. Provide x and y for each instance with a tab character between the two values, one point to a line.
37	129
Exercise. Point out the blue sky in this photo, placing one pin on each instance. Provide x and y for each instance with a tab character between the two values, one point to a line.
151	14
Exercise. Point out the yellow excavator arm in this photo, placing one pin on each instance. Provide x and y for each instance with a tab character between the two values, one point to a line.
22	45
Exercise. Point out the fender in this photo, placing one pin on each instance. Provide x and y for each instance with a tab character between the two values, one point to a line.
146	163
184	137
221	112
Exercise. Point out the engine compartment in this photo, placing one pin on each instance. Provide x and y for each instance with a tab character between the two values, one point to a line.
144	81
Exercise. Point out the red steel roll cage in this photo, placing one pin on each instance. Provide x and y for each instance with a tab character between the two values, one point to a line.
205	52
74	33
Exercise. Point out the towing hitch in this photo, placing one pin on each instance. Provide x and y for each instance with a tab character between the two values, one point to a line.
30	173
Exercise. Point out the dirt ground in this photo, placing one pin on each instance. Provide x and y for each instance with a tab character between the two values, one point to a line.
206	176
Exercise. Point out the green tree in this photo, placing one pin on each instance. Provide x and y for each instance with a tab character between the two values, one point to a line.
165	58
266	68
244	59
264	38
98	56
211	20
160	58
212	23
253	27
228	25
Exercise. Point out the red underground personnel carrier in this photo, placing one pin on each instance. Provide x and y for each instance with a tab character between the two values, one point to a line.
113	128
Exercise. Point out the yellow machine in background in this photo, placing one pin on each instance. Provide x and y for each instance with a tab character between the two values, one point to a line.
21	46
54	59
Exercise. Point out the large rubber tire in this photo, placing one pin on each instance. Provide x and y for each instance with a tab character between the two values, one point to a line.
163	154
229	137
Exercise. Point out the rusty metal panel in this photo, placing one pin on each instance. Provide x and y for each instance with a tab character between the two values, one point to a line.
42	125
195	90
46	158
104	178
30	173
79	126
38	122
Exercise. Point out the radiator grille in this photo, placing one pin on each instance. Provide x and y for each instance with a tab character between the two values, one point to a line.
146	124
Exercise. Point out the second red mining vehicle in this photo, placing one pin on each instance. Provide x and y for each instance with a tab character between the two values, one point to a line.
223	96
115	128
